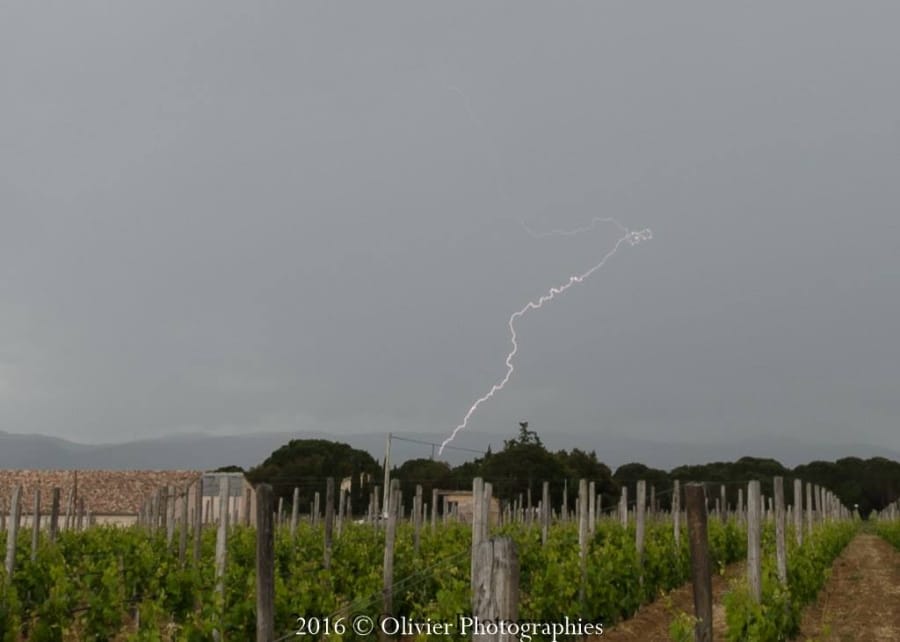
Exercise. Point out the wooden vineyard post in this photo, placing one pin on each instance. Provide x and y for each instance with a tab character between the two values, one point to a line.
583	535
329	519
545	511
54	514
486	503
780	551
36	523
198	517
528	507
161	507
701	571
183	530
592	507
341	508
754	562
417	518
221	548
434	508
816	505
477	516
390	531
265	565
724	504
12	530
373	503
809	509
495	591
70	510
170	517
295	511
623	507
639	518
676	513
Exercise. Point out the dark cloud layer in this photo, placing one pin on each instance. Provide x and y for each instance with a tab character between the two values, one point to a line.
229	216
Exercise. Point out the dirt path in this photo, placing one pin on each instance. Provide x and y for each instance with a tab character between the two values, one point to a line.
651	622
861	600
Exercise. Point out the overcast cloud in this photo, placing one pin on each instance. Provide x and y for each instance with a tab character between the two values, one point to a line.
231	216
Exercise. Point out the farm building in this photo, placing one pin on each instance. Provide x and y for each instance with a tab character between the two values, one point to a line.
117	496
239	492
459	502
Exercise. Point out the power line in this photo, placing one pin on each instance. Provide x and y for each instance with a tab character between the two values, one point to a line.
431	443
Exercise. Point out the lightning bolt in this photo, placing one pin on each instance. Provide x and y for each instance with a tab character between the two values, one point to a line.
628	236
575	232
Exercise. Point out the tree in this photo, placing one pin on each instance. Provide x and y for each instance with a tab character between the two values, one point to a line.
306	463
523	464
734	476
229	469
871	484
579	465
629	474
428	473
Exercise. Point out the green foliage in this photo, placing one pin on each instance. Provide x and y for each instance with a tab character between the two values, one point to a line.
777	615
229	469
523	465
871	484
683	627
92	584
628	476
889	531
525	462
306	463
428	473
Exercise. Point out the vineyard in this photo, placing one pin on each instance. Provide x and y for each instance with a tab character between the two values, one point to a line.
141	582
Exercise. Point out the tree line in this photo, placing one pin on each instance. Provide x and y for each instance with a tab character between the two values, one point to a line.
524	463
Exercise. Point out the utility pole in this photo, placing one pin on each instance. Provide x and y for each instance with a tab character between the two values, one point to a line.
385	506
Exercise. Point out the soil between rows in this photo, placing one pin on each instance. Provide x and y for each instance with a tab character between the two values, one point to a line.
861	600
651	622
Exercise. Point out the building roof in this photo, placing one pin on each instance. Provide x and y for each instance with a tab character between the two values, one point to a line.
105	492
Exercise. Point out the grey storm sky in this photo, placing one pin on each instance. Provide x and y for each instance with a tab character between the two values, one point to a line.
230	216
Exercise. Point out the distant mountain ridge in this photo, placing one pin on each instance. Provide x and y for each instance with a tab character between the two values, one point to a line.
201	451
